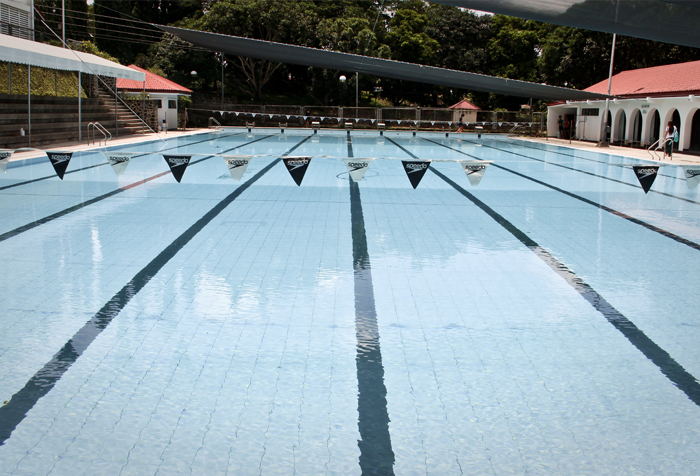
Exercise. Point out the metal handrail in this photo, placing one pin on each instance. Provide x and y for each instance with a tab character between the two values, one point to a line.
102	129
513	129
211	119
659	147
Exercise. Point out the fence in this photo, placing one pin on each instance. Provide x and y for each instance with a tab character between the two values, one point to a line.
416	118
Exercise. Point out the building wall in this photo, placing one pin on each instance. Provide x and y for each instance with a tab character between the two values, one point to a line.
686	107
165	112
16	13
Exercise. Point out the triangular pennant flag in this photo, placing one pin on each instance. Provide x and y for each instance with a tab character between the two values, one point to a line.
288	117
5	155
692	175
399	122
415	170
500	124
373	121
237	164
305	117
270	116
357	167
178	164
236	114
432	123
646	174
474	171
222	112
254	114
466	123
449	123
60	161
118	161
297	167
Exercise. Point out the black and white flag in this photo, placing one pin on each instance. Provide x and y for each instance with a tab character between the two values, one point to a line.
237	164
297	167
357	167
474	170
178	164
692	175
5	155
646	174
60	161
415	170
118	161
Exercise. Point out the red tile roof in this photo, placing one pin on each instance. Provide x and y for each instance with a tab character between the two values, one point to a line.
464	104
670	80
154	84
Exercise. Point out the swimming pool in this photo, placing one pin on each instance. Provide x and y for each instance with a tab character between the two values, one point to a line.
542	323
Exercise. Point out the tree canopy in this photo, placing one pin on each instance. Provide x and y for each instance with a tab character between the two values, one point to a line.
405	30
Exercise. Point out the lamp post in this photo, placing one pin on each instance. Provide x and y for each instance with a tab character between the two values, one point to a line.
222	58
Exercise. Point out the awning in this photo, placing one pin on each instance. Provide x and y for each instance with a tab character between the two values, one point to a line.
670	21
267	50
18	50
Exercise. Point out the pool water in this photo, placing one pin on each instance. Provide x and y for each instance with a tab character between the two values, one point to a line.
544	322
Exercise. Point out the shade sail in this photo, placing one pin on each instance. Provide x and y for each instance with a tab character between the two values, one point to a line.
670	21
21	51
267	50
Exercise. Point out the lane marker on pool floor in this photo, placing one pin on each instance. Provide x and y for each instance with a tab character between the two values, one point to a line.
107	163
636	221
66	211
16	409
571	168
674	371
376	453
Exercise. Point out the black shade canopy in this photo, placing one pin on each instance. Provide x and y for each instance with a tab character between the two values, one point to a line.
670	21
266	50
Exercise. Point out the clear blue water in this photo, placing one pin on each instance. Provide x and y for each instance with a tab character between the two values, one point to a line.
345	329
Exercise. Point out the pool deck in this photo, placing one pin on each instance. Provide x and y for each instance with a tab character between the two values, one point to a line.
679	158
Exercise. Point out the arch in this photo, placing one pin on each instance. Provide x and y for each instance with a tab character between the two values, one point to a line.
634	128
653	126
620	130
672	115
693	129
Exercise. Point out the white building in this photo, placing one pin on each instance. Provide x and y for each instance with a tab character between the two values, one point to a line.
16	18
159	89
647	99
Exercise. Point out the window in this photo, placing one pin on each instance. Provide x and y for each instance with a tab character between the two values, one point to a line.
14	22
590	112
160	103
172	104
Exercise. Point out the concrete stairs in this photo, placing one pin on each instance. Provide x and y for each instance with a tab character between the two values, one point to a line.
55	119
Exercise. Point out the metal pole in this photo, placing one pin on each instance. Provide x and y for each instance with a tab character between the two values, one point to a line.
357	91
63	22
80	109
9	76
29	102
143	107
116	110
604	120
222	81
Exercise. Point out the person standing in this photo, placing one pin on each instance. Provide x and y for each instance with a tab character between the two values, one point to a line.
669	139
561	127
461	123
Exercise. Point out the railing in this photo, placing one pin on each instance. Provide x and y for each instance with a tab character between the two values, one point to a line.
211	119
99	127
660	145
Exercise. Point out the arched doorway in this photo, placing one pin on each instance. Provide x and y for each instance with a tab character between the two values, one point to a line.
621	125
655	127
608	128
637	128
695	132
676	122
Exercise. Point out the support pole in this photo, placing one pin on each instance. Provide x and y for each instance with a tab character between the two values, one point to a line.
9	77
357	91
116	110
604	120
80	109
222	81
63	22
29	103
143	108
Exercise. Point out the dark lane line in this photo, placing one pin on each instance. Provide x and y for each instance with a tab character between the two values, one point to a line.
64	212
636	221
376	453
107	163
12	414
530	146
571	168
675	372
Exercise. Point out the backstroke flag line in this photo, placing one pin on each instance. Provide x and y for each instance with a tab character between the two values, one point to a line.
237	164
474	171
692	175
178	164
415	170
357	167
297	167
118	161
60	161
646	174
5	155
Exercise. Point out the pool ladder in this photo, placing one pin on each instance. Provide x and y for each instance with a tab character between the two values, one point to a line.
652	151
99	127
